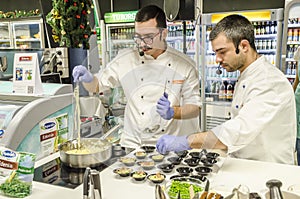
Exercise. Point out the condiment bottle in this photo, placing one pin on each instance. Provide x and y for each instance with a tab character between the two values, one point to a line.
274	188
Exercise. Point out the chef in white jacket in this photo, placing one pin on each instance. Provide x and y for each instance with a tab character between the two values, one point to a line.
263	123
161	84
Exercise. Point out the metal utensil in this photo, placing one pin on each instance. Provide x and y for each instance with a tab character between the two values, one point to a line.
159	193
178	196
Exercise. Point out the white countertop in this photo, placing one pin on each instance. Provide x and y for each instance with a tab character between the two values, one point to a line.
232	173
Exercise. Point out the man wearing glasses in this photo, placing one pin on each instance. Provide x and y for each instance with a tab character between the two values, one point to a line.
160	83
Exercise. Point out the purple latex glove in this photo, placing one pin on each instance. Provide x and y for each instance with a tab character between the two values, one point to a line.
168	143
163	107
81	73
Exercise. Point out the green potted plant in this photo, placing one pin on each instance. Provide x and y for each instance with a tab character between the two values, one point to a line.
69	20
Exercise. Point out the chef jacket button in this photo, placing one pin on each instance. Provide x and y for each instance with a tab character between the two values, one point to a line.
244	86
169	64
142	96
143	62
236	106
163	130
142	79
142	113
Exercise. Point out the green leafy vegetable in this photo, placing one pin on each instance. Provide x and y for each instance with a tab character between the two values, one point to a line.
183	187
16	188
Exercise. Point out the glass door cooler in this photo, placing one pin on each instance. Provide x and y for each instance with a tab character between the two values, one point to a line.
119	32
291	39
181	36
217	85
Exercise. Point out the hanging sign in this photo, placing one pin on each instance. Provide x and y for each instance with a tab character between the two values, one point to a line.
26	74
120	17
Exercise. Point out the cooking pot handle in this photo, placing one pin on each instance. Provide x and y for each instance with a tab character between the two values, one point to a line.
86	183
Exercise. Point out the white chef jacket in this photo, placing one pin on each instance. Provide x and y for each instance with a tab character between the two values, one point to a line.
263	124
143	80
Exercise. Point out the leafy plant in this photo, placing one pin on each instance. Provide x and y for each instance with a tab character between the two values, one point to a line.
69	22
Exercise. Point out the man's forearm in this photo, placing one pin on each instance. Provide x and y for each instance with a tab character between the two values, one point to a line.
187	111
205	140
93	86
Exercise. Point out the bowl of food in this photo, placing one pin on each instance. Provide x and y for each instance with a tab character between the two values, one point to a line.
182	185
184	171
203	171
157	157
156	177
147	165
140	154
192	162
148	148
182	154
139	175
167	168
175	160
123	171
128	161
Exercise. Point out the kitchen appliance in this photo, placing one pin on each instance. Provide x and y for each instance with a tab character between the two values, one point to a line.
89	152
25	119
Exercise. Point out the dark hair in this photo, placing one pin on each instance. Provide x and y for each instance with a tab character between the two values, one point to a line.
150	12
235	27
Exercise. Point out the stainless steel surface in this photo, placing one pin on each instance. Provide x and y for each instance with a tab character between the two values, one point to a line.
101	150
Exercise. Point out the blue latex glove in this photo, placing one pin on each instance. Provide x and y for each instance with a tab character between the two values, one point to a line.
81	73
168	143
163	107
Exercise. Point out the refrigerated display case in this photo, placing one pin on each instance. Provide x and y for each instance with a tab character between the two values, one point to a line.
291	39
181	36
22	33
217	85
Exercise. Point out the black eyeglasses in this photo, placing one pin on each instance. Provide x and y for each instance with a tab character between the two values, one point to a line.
147	40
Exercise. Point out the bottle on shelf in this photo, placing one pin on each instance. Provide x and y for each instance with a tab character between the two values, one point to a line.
217	90
222	92
289	68
229	93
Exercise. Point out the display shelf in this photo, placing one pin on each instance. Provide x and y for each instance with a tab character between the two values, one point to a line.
22	33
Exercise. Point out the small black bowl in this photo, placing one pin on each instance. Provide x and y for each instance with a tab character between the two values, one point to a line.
192	162
212	155
184	171
167	168
209	162
175	160
157	157
156	178
139	175
175	176
199	177
195	154
203	170
182	154
148	148
123	171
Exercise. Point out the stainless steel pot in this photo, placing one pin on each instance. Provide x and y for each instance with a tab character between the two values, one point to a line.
101	151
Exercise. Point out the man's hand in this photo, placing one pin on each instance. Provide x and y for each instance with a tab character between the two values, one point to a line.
80	73
163	107
172	143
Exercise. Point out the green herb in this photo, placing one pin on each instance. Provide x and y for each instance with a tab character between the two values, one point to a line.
183	187
15	188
